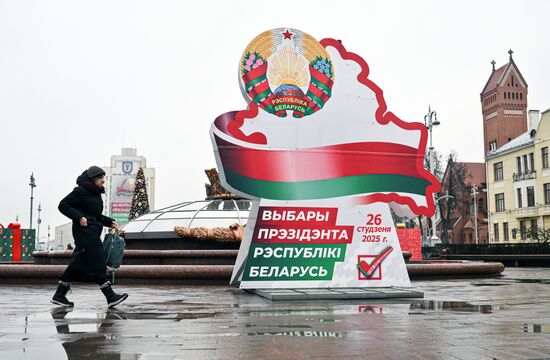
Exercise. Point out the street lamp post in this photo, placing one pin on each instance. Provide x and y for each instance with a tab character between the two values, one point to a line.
430	120
475	193
32	184
38	222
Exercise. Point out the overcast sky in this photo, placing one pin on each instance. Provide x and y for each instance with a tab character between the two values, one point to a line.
81	79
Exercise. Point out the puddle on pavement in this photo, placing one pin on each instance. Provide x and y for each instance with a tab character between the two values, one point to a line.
195	305
286	312
283	326
452	306
531	281
535	328
490	284
322	320
324	334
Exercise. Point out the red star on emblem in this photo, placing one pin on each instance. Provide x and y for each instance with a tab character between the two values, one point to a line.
287	34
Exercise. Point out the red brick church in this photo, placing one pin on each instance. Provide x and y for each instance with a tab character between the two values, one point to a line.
504	110
504	105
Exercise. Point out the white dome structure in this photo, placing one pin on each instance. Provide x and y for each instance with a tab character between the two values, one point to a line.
206	213
160	224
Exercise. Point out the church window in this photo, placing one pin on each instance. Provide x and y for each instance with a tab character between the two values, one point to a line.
520	96
505	96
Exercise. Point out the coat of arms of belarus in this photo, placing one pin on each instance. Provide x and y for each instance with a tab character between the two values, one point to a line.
322	157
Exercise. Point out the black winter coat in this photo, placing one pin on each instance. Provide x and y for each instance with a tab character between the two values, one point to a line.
88	252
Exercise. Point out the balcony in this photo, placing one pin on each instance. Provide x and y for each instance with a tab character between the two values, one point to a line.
527	212
532	174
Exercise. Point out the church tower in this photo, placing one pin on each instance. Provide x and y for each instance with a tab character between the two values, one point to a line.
504	105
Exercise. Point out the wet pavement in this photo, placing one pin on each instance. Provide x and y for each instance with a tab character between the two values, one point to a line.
498	318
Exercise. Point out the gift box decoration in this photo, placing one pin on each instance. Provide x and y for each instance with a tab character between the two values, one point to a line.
16	244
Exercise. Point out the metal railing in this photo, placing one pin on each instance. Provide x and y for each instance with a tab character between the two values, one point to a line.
531	174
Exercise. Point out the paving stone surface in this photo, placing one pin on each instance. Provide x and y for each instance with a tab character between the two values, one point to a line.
498	318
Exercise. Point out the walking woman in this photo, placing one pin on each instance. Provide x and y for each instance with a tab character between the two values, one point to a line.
84	206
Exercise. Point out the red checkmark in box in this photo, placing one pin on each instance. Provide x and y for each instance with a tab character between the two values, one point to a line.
368	266
368	259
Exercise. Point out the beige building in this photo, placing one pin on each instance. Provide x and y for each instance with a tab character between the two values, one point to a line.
63	237
518	182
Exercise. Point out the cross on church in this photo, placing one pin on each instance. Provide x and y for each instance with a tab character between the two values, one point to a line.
510	52
493	63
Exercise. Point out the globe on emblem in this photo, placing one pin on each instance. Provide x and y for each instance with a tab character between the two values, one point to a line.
289	91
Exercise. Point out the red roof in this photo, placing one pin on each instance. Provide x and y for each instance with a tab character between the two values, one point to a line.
494	79
477	173
497	77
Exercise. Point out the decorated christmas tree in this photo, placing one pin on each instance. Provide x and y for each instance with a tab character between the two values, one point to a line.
140	200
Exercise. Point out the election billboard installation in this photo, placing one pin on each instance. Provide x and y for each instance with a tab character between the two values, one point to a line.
322	157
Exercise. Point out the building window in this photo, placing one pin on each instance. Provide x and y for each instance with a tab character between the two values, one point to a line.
518	164
531	162
534	229
530	196
505	231
546	193
497	235
523	229
521	96
544	151
525	164
519	197
492	145
499	175
499	202
480	204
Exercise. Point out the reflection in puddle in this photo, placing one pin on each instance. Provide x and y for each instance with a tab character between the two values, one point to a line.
322	320
456	306
286	312
326	334
531	281
284	326
536	328
370	309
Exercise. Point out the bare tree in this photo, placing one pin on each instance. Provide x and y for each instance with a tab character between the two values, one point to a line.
453	184
434	164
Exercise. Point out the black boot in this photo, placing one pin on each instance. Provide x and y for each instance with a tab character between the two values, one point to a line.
59	296
113	299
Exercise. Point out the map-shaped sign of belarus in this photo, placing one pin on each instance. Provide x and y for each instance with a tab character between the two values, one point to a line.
322	157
